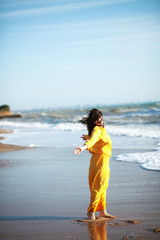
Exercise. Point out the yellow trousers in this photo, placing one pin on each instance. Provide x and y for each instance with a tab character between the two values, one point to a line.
99	173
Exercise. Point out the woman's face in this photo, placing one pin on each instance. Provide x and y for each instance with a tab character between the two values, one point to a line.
99	122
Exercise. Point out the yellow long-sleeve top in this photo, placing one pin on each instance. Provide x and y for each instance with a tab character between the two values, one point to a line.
99	141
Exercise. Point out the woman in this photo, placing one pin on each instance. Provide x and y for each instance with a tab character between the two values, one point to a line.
99	144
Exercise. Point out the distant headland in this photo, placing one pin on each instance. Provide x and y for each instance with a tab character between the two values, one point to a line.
5	112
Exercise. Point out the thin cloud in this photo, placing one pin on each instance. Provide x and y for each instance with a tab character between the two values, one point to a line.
62	8
99	29
144	21
15	3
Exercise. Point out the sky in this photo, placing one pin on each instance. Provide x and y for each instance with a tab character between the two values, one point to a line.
63	53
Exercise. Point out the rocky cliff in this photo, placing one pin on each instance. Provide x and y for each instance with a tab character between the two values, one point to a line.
5	112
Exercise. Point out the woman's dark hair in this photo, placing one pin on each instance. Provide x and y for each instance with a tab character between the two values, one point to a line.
93	115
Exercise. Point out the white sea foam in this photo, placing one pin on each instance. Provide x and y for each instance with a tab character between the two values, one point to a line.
42	138
68	127
148	160
21	125
131	131
135	131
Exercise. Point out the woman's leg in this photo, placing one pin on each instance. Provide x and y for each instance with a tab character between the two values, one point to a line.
91	177
98	180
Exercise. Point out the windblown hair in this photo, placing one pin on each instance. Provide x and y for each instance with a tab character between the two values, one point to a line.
94	115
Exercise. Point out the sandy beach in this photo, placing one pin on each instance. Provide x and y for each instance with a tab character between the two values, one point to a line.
44	191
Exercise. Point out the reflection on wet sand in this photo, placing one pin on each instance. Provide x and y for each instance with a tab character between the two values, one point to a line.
98	231
8	164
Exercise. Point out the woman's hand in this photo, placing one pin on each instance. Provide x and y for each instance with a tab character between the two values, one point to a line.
84	137
78	150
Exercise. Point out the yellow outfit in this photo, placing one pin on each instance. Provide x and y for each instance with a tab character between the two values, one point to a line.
100	146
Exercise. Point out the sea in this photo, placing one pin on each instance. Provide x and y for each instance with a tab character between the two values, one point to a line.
130	126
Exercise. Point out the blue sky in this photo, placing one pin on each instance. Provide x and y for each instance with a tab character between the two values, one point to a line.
65	53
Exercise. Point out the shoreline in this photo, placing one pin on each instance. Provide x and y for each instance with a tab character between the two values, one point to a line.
8	147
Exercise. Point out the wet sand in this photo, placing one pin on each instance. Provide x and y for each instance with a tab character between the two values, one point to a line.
8	147
44	191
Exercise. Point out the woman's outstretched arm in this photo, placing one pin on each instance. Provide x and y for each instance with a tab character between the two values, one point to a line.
78	150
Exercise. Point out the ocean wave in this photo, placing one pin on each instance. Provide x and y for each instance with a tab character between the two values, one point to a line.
145	131
135	131
68	127
21	125
147	160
